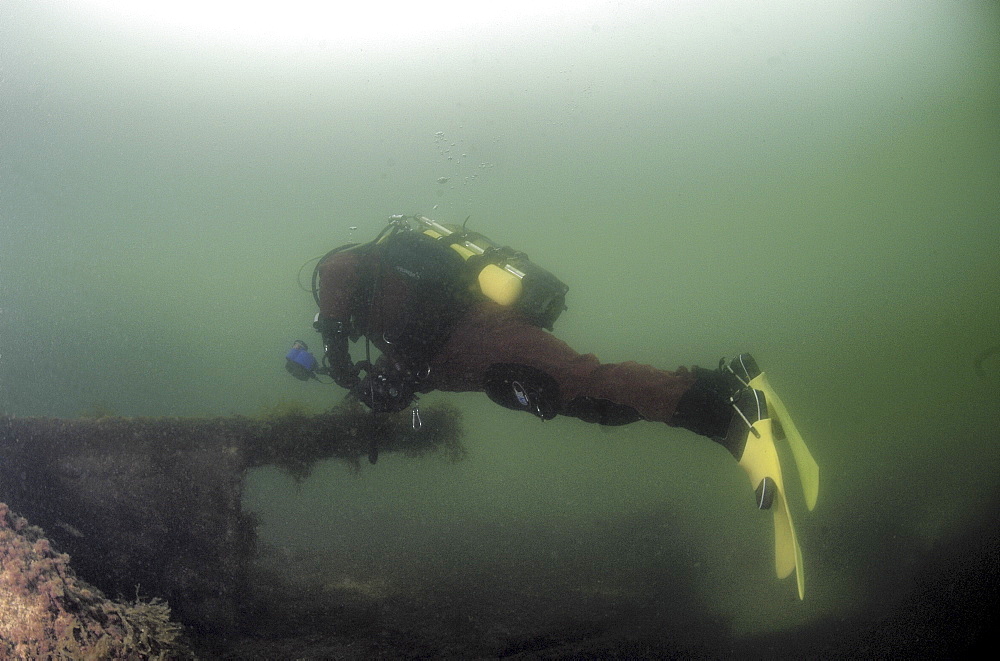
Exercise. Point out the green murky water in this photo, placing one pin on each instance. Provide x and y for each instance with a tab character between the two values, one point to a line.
820	187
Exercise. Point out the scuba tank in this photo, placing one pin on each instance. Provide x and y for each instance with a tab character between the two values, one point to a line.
502	274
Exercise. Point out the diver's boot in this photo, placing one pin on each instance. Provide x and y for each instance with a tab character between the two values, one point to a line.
707	406
722	405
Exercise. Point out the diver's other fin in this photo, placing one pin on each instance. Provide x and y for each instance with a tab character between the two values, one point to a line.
760	461
807	467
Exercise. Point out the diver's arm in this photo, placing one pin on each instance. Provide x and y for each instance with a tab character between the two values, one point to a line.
340	278
339	365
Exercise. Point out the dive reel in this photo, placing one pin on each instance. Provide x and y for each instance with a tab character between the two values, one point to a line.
386	388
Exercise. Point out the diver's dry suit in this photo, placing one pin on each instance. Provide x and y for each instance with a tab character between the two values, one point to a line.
410	294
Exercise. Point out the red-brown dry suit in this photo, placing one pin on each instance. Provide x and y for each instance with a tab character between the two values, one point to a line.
486	347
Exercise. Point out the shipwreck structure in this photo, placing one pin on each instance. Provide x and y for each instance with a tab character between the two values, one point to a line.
152	507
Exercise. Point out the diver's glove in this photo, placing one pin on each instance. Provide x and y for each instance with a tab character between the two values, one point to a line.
339	365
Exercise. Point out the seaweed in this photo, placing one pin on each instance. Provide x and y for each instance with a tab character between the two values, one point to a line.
46	611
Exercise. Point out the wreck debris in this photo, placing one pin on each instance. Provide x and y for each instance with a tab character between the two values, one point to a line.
157	502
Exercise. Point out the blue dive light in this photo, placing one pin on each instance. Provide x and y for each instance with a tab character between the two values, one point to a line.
300	363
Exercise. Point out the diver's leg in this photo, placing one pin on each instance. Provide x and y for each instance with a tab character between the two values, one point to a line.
494	350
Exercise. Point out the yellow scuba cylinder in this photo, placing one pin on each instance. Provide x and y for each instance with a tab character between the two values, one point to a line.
500	284
504	275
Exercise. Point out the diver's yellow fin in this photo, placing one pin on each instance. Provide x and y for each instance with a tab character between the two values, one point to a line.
807	467
760	461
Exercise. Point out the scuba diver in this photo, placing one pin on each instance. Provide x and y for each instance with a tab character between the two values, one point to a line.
448	309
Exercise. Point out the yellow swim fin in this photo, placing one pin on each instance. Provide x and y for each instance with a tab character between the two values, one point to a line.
764	417
760	461
737	407
807	467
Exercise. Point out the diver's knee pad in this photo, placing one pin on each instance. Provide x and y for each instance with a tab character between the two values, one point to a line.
522	388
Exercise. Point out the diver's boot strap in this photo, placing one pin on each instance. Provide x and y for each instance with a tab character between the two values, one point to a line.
765	493
747	406
743	367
